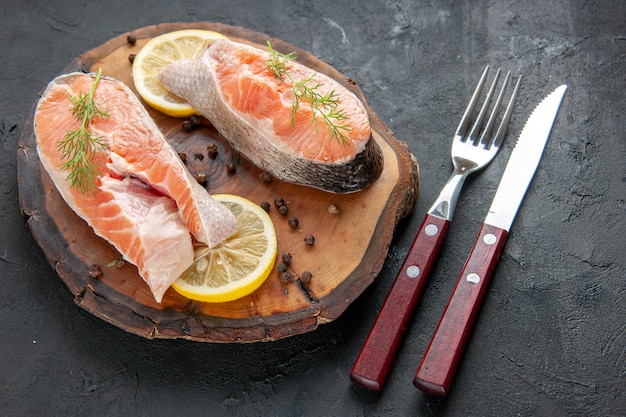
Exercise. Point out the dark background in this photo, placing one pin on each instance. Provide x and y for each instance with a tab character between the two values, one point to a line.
550	339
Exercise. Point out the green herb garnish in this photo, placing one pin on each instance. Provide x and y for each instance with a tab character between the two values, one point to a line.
308	91
276	62
79	147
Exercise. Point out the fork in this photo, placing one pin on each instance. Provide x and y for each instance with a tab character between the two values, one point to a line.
470	153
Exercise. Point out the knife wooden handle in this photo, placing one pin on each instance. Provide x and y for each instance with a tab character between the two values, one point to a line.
437	369
371	368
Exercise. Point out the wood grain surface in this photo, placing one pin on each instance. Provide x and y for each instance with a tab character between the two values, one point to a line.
350	246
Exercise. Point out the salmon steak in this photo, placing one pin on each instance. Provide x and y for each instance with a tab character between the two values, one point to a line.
145	201
263	118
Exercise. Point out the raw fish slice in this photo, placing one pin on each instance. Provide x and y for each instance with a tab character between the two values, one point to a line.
230	84
136	148
145	227
138	153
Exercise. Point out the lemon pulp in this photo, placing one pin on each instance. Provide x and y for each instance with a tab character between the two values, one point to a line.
161	51
237	266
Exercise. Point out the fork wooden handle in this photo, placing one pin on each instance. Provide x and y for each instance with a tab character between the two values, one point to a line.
438	367
371	368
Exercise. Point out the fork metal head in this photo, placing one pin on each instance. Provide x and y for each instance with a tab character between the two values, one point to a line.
473	147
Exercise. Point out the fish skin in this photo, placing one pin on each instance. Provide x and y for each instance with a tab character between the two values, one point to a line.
263	132
147	203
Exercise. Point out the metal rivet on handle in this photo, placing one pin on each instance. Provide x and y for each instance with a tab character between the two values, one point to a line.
431	229
473	278
413	271
490	238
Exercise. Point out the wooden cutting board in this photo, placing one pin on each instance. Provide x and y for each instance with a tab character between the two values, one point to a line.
350	246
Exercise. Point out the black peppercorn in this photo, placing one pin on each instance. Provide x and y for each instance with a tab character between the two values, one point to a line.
265	177
293	222
95	270
265	206
281	268
201	178
306	276
212	150
131	58
279	202
230	168
283	210
286	276
287	258
309	240
131	39
191	123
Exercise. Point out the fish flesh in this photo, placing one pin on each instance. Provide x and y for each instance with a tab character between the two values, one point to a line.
147	204
232	86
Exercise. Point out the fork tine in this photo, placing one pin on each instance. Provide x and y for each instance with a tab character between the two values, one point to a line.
478	124
486	135
467	115
504	124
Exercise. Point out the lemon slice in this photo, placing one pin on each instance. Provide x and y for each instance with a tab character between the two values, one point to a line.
161	51
237	266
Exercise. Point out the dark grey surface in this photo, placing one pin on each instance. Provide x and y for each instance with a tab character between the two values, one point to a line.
550	339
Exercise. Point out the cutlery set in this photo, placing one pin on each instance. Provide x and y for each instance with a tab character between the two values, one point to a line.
473	148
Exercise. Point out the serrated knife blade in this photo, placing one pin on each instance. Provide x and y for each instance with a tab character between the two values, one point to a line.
523	161
441	359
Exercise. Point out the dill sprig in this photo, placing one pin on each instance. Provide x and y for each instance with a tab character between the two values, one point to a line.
80	147
277	62
308	91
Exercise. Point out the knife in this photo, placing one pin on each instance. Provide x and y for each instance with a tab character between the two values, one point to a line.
441	359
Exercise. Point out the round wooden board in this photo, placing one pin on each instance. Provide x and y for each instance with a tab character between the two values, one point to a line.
349	251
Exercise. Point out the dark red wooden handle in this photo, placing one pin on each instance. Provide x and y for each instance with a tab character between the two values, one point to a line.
437	369
371	368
